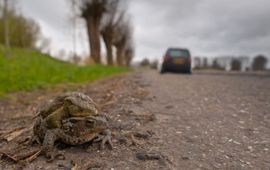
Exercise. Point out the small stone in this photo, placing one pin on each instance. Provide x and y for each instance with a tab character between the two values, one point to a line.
185	157
241	122
250	148
169	107
122	140
235	142
148	156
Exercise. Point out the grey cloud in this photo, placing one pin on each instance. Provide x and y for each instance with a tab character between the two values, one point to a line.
53	12
55	18
207	27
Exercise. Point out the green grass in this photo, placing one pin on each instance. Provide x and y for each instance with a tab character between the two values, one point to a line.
28	69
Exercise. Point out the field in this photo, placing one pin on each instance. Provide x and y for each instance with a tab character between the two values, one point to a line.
29	69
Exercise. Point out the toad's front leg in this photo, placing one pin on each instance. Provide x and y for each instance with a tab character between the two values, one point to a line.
48	144
105	137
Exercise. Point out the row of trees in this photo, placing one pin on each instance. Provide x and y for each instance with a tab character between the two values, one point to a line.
258	63
105	19
17	30
108	20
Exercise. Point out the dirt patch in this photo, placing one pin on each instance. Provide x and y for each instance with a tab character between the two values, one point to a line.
120	97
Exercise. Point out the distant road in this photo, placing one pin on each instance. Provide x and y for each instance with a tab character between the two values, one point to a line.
232	73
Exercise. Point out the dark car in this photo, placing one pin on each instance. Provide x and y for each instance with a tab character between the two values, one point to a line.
176	60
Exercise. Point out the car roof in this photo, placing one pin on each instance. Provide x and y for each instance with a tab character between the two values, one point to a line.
175	48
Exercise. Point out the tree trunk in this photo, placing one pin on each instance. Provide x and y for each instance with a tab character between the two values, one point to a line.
128	60
6	28
108	45
94	38
120	55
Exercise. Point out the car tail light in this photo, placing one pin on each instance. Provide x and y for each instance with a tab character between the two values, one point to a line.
166	57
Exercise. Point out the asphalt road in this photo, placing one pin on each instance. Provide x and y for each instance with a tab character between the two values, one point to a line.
211	120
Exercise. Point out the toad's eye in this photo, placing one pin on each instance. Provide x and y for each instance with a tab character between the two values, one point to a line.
90	123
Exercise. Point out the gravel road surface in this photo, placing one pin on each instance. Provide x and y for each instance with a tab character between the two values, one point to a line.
207	120
211	121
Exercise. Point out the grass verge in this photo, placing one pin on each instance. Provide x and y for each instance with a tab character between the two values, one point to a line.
28	70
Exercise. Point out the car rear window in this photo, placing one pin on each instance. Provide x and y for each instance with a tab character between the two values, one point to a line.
178	53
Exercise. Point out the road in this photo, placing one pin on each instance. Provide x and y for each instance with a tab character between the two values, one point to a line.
211	121
205	120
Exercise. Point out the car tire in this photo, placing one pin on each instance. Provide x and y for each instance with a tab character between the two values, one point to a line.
162	71
188	71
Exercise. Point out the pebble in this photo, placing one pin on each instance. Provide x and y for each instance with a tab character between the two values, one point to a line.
235	142
241	122
250	148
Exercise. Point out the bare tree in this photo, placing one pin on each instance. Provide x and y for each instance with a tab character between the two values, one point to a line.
107	34
115	30
236	65
216	65
74	27
145	62
259	63
205	62
123	39
6	27
109	26
92	12
129	54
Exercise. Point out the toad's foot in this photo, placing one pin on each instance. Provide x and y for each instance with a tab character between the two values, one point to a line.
34	140
53	154
105	137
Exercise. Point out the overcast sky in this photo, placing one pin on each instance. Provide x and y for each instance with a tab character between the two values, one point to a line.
206	27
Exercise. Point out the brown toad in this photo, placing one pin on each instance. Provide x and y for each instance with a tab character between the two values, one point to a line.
71	118
76	131
71	104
